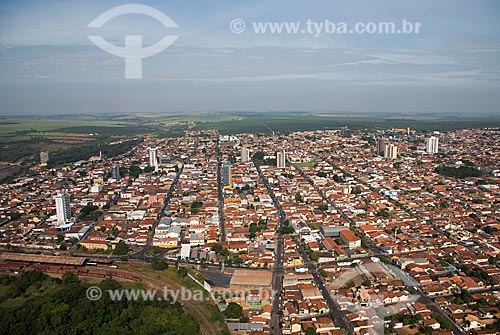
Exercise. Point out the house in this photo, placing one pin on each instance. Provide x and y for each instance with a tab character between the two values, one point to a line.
95	244
166	242
432	323
196	239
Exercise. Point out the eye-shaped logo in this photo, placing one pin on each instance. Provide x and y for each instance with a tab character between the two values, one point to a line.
133	51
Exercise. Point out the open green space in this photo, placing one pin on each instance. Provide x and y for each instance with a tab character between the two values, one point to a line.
12	129
303	121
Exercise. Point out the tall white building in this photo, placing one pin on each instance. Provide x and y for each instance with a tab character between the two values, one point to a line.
245	154
44	157
153	157
391	151
281	159
63	209
432	145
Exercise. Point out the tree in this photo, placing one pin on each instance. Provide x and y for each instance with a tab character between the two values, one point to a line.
134	171
121	248
313	255
310	331
287	229
159	264
233	311
182	271
356	190
47	307
460	172
69	278
466	296
383	213
195	207
490	230
15	216
259	156
337	179
323	207
217	247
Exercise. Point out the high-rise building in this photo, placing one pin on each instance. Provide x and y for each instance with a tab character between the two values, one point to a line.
227	174
281	159
63	209
153	157
44	157
380	146
116	172
432	145
391	151
245	154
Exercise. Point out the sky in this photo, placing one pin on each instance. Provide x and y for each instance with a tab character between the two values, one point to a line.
48	65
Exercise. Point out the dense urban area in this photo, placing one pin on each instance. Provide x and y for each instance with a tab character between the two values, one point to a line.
312	232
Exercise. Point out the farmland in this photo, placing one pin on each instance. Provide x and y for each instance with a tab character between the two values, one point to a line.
22	137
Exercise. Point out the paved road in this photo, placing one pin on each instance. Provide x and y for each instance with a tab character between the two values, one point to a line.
339	317
278	270
436	309
220	186
376	251
166	200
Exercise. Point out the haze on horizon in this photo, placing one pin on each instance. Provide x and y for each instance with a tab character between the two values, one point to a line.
48	65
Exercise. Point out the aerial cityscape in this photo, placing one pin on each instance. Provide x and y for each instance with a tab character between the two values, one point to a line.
250	168
308	231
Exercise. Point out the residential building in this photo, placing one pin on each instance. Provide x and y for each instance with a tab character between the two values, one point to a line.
390	151
44	157
281	159
115	173
227	176
153	157
432	145
380	146
63	209
245	154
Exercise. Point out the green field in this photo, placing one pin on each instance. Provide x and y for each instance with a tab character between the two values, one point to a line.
22	137
57	127
15	129
302	121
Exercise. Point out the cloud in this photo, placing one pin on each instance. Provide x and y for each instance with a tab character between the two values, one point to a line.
414	58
